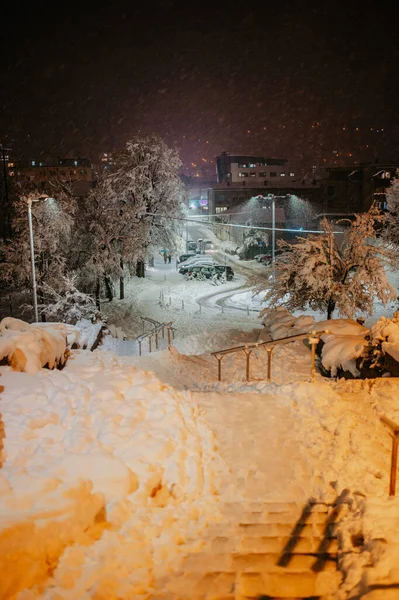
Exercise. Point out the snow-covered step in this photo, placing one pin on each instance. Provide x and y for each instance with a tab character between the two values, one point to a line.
283	530
277	544
295	585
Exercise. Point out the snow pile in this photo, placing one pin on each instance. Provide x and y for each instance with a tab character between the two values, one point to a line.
28	348
282	323
117	332
341	352
88	332
108	476
386	333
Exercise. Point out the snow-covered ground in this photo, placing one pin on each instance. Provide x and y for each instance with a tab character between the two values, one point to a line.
113	469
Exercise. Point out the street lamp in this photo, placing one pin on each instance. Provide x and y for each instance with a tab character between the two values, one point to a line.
272	197
32	252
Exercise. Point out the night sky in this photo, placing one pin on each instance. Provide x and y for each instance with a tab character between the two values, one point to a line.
291	79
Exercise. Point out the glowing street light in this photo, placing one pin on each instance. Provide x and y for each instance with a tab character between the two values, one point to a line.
272	197
32	251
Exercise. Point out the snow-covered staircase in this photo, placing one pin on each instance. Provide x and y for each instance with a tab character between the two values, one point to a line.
262	551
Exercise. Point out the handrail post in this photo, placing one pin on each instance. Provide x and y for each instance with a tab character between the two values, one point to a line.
150	343
269	362
140	348
247	352
219	359
394	465
168	328
163	331
156	340
313	341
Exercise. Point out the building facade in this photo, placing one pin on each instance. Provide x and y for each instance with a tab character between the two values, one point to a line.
236	168
76	172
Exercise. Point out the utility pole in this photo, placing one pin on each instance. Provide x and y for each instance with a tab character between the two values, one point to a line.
6	224
273	229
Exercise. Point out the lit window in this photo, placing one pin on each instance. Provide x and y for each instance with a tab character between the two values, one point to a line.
252	174
242	174
11	173
262	174
220	209
273	174
33	163
292	174
282	174
242	165
252	165
10	164
75	162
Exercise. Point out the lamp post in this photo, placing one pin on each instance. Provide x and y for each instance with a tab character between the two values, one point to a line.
272	197
32	253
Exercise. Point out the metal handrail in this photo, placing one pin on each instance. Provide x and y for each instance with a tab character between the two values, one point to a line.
157	329
269	346
394	455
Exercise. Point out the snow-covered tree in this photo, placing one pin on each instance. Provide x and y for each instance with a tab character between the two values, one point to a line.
146	182
391	225
330	272
68	304
253	241
52	223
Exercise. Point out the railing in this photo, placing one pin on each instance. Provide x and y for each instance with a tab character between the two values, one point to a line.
394	455
312	336
157	328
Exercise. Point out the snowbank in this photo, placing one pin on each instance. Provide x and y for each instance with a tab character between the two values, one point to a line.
341	352
88	332
343	344
28	348
281	323
107	474
386	331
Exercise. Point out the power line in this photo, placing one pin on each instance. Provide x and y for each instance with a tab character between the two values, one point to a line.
258	228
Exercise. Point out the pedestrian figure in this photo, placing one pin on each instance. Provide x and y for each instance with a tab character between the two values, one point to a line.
169	258
165	258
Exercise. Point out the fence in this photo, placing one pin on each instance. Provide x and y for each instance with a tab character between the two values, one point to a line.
247	349
156	329
166	301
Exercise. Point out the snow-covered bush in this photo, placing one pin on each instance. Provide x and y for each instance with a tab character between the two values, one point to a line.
383	345
68	304
250	245
281	323
28	348
330	272
341	352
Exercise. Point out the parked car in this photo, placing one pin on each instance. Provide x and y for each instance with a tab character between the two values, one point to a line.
191	246
225	269
201	271
208	271
201	263
184	257
195	259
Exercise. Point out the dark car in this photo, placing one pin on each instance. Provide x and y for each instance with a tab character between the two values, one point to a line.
200	271
184	257
220	269
185	268
191	246
208	271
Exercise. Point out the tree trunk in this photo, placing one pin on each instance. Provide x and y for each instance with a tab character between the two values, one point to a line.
97	293
121	283
108	287
330	308
140	271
